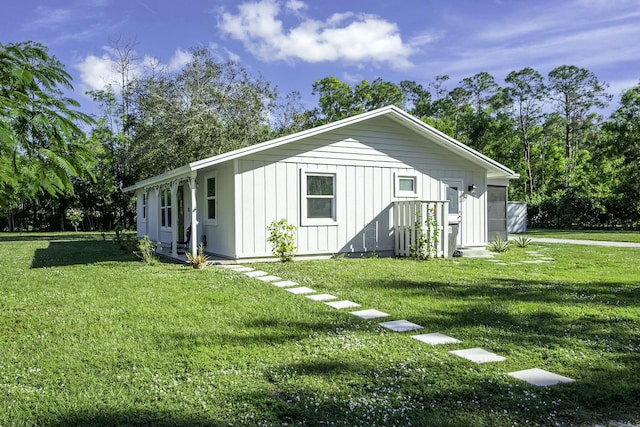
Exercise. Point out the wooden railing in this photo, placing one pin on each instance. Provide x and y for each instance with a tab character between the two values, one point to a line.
407	214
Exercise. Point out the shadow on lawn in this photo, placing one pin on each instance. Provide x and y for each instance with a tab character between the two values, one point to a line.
59	254
132	418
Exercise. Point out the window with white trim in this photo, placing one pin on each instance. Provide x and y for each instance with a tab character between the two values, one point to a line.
318	198
144	206
406	185
212	201
165	208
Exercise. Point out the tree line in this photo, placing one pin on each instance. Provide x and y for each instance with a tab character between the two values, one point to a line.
64	169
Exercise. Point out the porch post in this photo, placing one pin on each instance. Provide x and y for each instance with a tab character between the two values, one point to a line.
174	219
194	216
158	214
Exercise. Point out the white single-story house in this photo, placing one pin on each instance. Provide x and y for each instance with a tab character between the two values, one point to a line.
348	186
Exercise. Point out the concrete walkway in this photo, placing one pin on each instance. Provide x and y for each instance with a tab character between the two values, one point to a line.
585	242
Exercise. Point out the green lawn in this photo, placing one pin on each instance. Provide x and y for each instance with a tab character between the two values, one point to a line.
92	337
619	236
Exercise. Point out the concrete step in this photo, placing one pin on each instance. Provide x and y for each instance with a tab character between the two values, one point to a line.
475	253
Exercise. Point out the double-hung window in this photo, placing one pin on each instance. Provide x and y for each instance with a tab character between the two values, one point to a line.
318	198
212	201
144	206
165	208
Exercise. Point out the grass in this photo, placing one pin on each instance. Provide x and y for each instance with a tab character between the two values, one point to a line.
91	337
602	235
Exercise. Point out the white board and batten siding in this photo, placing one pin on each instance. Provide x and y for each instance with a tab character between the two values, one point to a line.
366	159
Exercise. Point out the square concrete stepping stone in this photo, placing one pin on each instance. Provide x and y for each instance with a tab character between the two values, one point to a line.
342	304
284	283
242	269
268	278
300	290
256	273
369	314
322	297
478	355
436	339
540	377
400	326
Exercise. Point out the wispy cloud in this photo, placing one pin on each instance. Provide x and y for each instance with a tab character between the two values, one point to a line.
347	37
48	18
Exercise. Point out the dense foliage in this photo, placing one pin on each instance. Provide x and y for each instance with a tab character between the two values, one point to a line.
577	167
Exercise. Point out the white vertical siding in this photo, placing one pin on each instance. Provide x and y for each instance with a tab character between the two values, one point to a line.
366	159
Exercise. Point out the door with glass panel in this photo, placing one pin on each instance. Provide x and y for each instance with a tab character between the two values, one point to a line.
452	192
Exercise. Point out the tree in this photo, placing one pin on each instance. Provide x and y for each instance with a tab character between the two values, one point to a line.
205	109
624	143
575	91
42	145
526	93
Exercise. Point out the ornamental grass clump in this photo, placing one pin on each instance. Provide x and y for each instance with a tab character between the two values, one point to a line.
200	259
499	245
521	241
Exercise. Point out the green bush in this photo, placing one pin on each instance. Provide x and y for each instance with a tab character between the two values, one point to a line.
282	237
146	251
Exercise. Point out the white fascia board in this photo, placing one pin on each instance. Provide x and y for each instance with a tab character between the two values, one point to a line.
181	172
494	169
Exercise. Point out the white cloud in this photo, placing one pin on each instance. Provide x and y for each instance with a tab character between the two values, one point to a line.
342	37
179	59
98	72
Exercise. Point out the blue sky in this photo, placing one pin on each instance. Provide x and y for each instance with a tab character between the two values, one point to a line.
292	43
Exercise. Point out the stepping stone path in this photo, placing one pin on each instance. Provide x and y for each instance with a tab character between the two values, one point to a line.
436	339
342	304
540	377
400	326
321	297
256	273
300	291
268	278
535	376
369	314
284	283
241	269
478	355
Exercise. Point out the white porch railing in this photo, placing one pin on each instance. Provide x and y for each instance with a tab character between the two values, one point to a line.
405	216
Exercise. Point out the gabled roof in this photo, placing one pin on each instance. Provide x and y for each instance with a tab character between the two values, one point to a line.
494	169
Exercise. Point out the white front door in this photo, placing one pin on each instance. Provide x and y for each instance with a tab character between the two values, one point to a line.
452	192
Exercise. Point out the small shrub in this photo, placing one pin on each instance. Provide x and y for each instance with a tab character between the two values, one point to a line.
200	259
282	237
521	241
499	245
147	251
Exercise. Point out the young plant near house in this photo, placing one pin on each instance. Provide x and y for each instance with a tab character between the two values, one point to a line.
282	237
521	241
147	251
499	245
427	237
199	260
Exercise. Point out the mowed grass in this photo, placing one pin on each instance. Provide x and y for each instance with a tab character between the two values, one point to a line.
89	336
602	235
